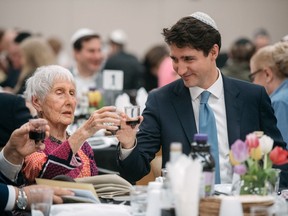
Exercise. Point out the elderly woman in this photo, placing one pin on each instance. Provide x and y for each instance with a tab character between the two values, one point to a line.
52	92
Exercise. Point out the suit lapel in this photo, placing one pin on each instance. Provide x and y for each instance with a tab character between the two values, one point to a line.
181	101
233	109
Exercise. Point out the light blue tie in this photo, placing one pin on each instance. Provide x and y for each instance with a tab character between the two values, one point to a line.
207	124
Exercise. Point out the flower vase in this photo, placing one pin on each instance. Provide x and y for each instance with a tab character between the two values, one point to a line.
250	184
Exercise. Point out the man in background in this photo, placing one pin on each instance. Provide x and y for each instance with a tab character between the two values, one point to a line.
88	56
119	59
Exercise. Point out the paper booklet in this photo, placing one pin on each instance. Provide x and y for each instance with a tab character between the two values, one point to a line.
84	192
108	186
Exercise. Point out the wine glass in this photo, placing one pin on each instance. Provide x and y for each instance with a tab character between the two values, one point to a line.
111	133
133	113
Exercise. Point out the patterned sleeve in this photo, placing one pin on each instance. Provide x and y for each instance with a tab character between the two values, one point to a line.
48	164
90	154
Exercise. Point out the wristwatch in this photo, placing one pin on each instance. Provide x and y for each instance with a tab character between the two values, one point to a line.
22	199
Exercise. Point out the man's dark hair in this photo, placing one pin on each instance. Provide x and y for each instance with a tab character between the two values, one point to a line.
194	33
78	43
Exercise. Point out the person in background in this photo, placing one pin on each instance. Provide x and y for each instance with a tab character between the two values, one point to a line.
119	59
269	68
159	70
285	38
13	114
11	158
35	52
237	65
261	38
62	58
14	53
166	73
152	60
88	56
52	92
172	112
6	39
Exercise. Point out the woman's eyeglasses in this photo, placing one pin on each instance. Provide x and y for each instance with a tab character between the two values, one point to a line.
252	75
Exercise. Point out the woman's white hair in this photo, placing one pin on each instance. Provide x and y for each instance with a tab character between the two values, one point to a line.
43	79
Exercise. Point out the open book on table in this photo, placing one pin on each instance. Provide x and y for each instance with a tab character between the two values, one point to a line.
84	192
108	186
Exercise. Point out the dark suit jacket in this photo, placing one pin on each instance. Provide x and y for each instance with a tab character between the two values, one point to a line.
169	117
3	197
13	114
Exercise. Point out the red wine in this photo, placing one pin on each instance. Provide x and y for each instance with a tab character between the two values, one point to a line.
37	136
133	123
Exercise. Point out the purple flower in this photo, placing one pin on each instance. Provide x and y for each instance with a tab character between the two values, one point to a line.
240	169
240	151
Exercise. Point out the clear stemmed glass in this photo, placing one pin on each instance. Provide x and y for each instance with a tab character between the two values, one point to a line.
133	113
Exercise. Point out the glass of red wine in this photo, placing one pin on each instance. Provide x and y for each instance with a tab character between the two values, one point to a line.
133	113
37	132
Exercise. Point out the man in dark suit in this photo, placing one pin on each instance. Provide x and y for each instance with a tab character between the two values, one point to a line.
172	112
13	114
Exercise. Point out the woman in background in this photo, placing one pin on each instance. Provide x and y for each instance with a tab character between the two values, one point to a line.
35	52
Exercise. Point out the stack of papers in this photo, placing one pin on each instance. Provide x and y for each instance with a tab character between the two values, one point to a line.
108	186
84	192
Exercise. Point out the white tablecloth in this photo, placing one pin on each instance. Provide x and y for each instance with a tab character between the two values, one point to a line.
79	209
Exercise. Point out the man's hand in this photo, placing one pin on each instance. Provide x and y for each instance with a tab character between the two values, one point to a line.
19	145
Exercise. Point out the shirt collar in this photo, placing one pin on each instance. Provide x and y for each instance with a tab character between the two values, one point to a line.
215	89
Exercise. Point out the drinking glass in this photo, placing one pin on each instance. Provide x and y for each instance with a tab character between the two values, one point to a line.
111	133
41	201
138	200
133	113
38	133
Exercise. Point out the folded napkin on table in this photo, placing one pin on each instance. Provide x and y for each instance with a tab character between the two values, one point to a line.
185	175
76	209
122	101
141	98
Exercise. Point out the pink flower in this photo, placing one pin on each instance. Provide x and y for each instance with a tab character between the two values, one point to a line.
240	151
252	140
240	169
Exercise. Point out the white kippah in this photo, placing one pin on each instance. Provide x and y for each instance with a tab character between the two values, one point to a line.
205	18
80	33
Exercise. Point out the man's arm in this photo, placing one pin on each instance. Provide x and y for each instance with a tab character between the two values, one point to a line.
19	146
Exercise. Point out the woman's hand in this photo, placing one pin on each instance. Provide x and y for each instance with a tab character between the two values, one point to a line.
107	118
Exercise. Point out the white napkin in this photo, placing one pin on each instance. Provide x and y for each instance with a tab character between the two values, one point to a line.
77	209
185	175
122	101
141	98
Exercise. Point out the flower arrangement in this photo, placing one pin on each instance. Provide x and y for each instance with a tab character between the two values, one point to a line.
253	160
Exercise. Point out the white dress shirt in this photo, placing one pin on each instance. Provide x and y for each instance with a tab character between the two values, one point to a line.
217	103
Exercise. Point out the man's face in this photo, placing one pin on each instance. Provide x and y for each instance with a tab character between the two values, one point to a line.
193	67
90	57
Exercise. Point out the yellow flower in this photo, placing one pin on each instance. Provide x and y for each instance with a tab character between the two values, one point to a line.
256	153
232	159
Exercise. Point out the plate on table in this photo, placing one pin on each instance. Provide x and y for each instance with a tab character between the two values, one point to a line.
223	189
